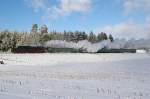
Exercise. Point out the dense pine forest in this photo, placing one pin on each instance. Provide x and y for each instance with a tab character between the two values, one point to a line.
39	35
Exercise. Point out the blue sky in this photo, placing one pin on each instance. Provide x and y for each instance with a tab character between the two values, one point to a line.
122	18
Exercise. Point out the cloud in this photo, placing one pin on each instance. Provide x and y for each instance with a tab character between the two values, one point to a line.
131	29
127	30
62	8
67	7
36	4
148	21
136	5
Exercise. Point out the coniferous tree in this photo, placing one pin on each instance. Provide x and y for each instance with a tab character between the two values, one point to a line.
102	36
34	28
92	37
44	29
85	36
34	37
99	37
105	36
14	41
111	38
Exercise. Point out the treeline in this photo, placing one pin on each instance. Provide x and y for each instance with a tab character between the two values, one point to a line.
38	36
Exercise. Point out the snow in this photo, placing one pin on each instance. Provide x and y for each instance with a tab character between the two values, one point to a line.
75	76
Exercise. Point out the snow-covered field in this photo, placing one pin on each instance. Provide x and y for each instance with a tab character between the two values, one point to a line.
75	76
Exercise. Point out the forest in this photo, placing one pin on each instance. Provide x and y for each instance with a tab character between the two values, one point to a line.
38	36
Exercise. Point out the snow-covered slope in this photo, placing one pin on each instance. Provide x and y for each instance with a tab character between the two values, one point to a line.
53	59
75	76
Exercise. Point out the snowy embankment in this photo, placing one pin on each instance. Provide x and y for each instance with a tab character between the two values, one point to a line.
54	59
75	76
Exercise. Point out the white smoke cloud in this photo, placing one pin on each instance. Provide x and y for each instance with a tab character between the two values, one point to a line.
88	46
94	47
127	30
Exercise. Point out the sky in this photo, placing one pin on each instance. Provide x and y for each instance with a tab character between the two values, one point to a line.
121	18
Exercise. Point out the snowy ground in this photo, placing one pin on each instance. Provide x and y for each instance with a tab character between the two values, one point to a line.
75	76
